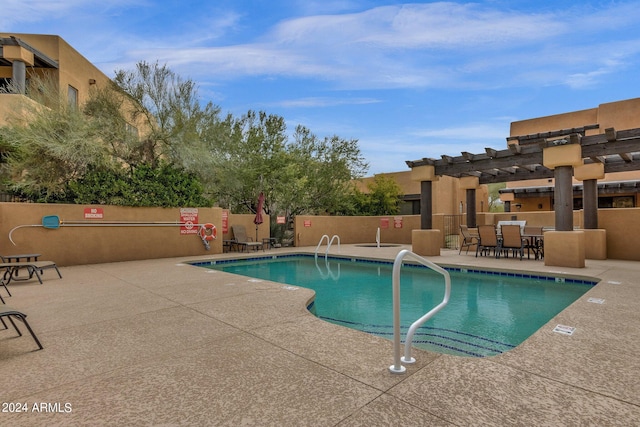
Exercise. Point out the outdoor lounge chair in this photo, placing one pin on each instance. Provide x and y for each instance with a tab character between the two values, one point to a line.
487	240
5	288
467	239
34	268
243	241
512	240
11	314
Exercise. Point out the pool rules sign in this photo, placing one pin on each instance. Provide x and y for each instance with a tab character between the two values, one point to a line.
189	217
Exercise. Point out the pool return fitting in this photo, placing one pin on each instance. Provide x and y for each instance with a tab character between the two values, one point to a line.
397	367
207	232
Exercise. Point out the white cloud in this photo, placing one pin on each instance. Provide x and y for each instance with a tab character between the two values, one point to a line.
18	12
324	102
418	45
439	45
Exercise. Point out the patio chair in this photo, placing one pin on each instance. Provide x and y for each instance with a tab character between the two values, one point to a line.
34	268
487	240
1	298
243	241
467	239
4	285
11	314
512	240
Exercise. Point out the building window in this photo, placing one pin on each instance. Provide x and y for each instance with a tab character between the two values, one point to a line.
72	96
614	202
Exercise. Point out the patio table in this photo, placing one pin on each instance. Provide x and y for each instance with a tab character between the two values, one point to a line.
17	258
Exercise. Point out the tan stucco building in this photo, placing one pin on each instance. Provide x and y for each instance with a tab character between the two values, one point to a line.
615	190
448	196
23	56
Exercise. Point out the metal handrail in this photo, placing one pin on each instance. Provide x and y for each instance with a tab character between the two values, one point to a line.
329	243
378	237
397	367
335	236
320	243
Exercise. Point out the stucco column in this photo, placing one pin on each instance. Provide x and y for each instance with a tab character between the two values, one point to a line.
589	174
590	203
470	184
426	205
19	76
563	195
595	239
471	208
426	241
563	247
426	175
562	159
20	58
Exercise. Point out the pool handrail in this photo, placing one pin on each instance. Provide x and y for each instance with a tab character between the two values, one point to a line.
329	243
397	367
335	236
320	243
378	237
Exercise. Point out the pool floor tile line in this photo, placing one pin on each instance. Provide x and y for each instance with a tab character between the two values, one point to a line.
124	345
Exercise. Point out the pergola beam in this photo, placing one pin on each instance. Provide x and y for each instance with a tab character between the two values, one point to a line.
523	160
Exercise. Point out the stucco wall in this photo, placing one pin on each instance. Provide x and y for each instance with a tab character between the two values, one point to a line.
12	107
619	115
623	229
620	225
354	229
87	245
557	121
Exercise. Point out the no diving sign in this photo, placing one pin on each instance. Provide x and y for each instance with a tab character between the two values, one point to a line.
189	217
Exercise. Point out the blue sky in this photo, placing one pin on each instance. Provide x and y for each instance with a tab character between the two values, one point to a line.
408	80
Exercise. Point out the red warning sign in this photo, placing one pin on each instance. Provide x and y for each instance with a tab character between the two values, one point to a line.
225	222
93	213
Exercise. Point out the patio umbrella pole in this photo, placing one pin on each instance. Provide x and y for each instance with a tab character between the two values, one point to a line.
258	219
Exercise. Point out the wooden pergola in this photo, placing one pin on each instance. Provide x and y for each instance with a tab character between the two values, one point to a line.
616	151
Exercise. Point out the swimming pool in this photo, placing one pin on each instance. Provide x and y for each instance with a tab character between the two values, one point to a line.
488	312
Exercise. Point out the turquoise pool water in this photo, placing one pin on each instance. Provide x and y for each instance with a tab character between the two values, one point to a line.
488	313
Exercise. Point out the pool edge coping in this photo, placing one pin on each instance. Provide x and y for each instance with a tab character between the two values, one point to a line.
525	274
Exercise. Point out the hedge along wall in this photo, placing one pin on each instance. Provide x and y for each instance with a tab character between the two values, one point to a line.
88	245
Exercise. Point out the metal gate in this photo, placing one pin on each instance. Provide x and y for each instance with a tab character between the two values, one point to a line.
452	231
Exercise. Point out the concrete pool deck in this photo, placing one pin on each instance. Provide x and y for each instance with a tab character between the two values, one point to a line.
158	342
